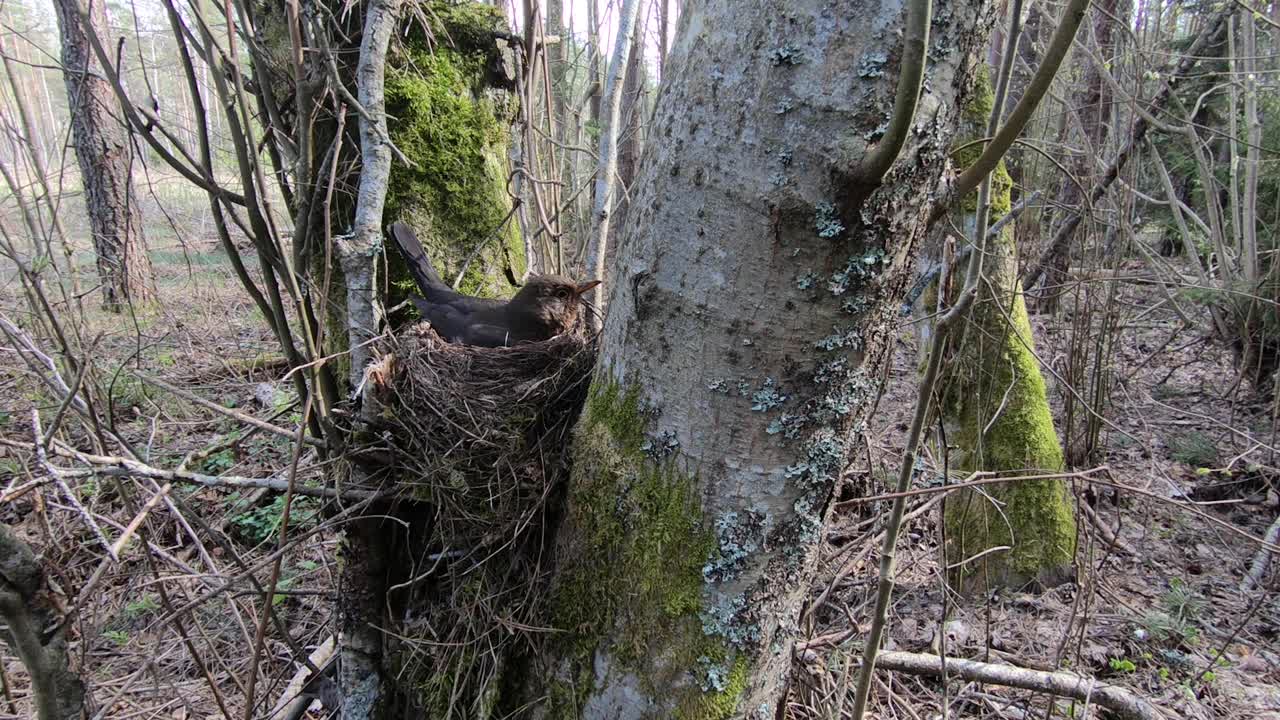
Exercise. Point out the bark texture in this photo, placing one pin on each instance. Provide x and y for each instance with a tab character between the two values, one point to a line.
747	322
1092	107
28	606
106	160
997	417
449	100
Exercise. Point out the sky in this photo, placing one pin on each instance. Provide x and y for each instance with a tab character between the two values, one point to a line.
576	17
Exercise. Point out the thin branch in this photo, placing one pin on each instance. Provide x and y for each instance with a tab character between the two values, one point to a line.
1057	51
1120	701
910	78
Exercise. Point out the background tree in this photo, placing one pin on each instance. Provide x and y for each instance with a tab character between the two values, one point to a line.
106	160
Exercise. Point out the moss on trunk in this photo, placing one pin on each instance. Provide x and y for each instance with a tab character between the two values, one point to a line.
634	522
450	111
997	415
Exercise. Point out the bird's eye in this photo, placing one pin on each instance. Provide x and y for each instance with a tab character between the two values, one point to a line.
563	293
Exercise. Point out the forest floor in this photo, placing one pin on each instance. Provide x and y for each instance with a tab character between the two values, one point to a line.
1158	610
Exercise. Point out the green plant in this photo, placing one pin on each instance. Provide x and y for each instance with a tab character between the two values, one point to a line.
1123	665
142	606
259	524
1177	619
219	462
1193	448
119	637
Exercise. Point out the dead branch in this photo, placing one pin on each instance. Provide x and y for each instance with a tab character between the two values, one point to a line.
245	418
114	466
1119	700
1258	568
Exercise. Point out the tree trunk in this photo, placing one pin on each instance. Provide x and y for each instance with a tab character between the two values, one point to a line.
1093	108
106	161
606	182
28	607
452	101
748	322
996	414
448	100
634	119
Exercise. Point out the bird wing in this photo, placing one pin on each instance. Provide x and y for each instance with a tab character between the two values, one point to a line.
485	335
450	322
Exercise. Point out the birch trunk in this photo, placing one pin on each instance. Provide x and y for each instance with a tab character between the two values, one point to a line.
106	161
751	313
607	167
364	689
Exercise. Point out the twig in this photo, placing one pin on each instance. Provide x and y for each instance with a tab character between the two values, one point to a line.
112	466
236	414
99	572
1120	701
1258	567
42	456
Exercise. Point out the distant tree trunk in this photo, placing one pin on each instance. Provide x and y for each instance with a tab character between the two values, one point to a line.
996	414
630	138
748	322
106	160
606	182
1093	108
28	607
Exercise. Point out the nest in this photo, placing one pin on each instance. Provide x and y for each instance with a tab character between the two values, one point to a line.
479	438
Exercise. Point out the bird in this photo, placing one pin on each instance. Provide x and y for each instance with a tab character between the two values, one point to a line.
545	306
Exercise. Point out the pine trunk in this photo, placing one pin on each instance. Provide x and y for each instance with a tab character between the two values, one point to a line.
106	161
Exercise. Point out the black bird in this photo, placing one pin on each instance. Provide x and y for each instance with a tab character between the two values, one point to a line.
547	305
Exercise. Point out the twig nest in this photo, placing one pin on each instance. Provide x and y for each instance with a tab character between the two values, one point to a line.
479	438
463	416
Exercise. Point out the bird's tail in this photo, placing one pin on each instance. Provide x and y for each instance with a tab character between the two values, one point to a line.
416	258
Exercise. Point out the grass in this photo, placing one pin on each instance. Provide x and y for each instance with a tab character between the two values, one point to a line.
1194	448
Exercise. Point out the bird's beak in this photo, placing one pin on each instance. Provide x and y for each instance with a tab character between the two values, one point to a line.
584	287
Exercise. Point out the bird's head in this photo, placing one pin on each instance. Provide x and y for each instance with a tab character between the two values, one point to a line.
554	299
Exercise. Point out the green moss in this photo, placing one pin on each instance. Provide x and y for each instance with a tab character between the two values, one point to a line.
977	112
718	705
997	375
449	121
982	97
994	374
631	578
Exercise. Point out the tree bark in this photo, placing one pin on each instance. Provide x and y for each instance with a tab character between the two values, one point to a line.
749	317
1092	108
997	415
634	119
606	183
106	160
28	605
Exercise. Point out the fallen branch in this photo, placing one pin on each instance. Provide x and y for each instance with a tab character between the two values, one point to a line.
235	414
112	466
296	700
1119	700
1258	567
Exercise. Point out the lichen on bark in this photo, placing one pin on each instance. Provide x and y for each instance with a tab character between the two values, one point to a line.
449	108
997	416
